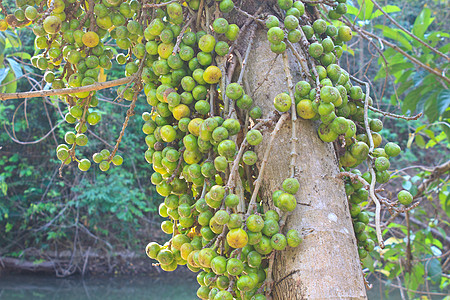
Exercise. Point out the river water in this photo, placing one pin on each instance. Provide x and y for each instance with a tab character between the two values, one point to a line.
162	287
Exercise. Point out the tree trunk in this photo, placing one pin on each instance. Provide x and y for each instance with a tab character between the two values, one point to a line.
326	265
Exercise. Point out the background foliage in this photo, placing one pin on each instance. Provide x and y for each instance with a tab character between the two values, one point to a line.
42	212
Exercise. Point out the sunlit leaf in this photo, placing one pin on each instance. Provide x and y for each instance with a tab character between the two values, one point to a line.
3	73
422	22
396	35
420	141
15	67
388	9
22	55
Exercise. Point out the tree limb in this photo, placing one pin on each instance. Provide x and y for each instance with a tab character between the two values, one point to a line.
65	91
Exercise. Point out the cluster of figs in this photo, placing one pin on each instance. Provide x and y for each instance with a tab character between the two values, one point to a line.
192	144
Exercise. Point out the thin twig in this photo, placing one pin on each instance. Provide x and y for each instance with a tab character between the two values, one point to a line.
372	171
247	52
65	91
176	48
408	32
294	138
436	71
252	204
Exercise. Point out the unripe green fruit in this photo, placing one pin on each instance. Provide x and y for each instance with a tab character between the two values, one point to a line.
249	158
84	164
405	197
278	48
232	32
294	36
291	185
286	202
255	223
282	102
278	242
117	160
275	35
293	12
392	149
341	8
234	91
319	26
104	166
255	113
345	33
52	24
272	21
254	137
293	238
315	50
285	4
291	22
207	43
226	6
31	13
244	102
220	25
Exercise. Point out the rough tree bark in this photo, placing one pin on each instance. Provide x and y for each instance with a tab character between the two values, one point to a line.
326	265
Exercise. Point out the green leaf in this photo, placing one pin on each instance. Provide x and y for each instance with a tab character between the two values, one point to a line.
433	269
400	67
445	48
420	128
444	199
420	141
422	22
352	10
13	39
15	66
411	100
4	187
2	42
396	35
349	50
367	12
388	9
431	107
3	73
407	185
11	87
430	134
22	55
443	101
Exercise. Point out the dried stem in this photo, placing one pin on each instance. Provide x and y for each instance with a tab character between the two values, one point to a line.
394	116
258	182
148	5
294	138
180	36
269	280
247	52
372	171
237	159
301	60
65	91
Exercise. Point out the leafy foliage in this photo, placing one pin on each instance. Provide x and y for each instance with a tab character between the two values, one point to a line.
415	247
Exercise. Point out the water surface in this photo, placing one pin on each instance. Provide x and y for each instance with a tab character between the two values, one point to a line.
162	287
170	286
